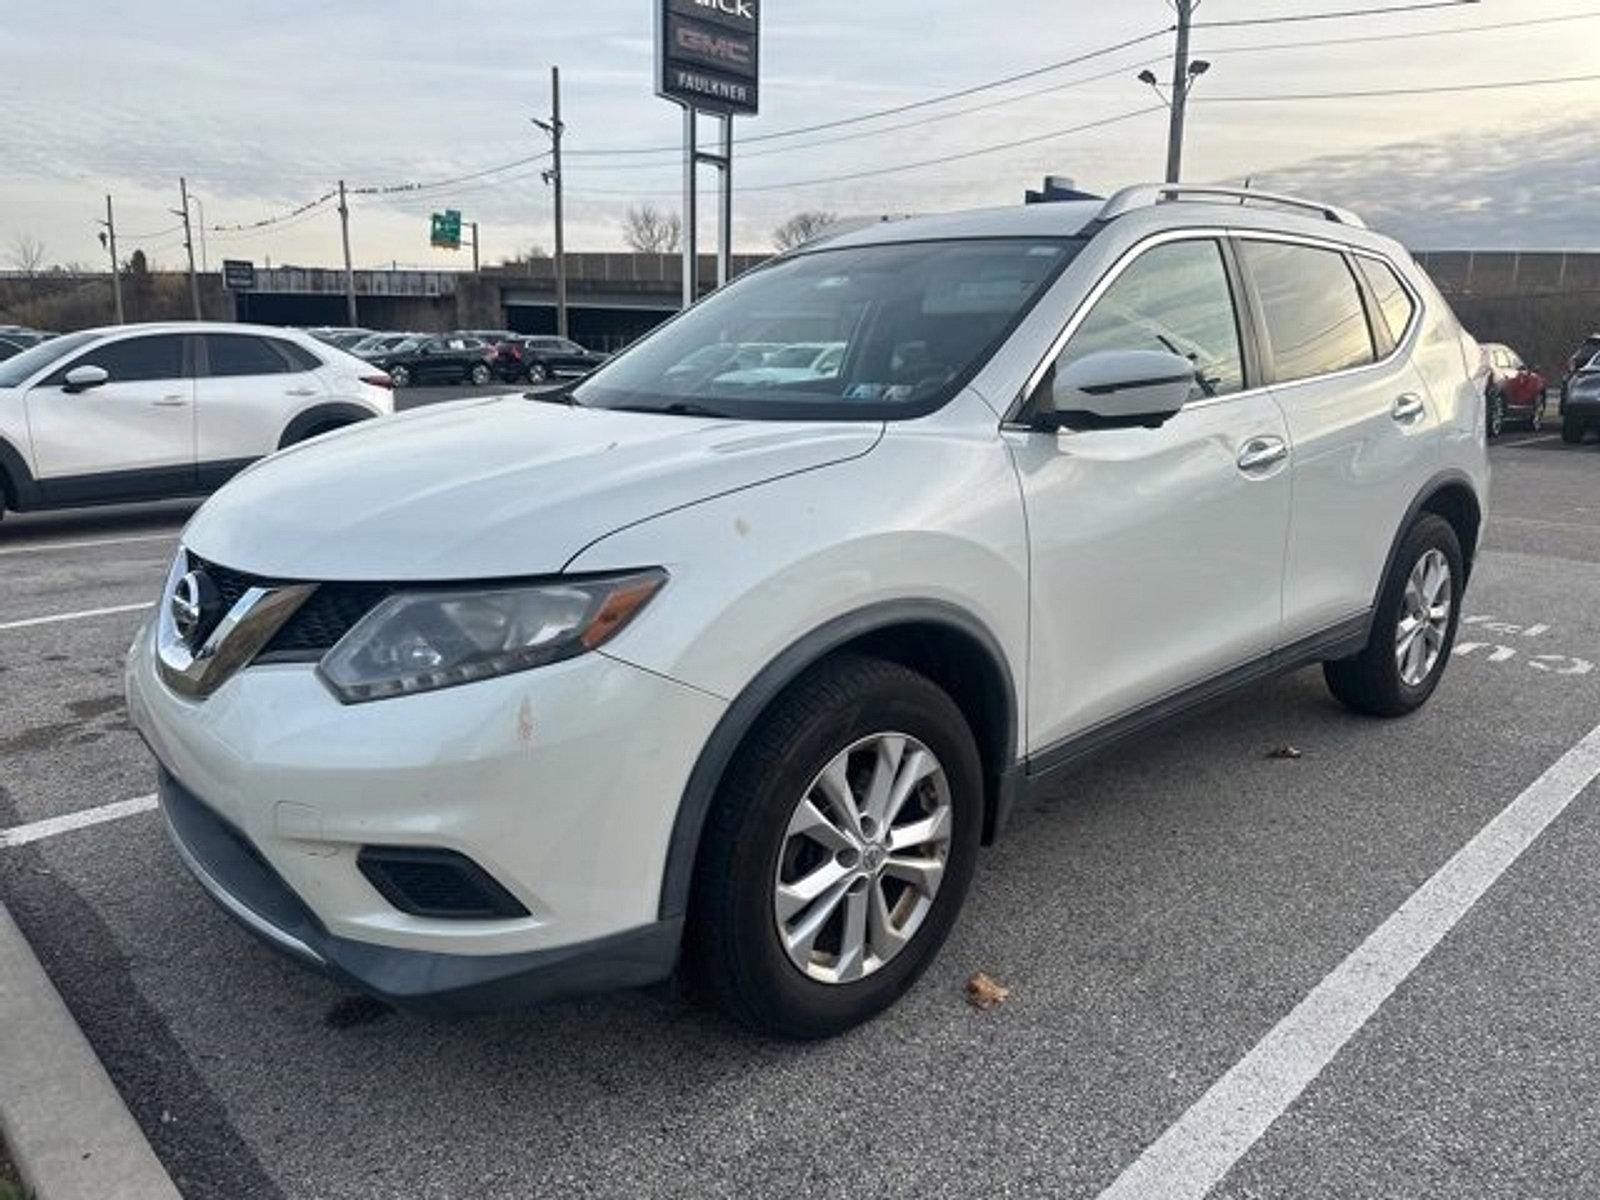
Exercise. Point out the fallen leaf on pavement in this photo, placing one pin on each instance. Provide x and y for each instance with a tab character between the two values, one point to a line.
983	993
1284	751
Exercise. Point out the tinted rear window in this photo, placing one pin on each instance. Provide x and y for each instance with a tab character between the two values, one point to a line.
1316	322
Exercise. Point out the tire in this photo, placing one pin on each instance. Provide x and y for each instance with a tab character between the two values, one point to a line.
848	708
400	376
1571	430
537	373
1373	681
479	375
1497	415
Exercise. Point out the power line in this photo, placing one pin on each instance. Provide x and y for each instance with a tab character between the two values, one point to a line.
913	166
394	188
899	108
1033	93
278	220
1418	91
1294	18
1401	37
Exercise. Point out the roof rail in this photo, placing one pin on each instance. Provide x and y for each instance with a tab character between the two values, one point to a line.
1147	195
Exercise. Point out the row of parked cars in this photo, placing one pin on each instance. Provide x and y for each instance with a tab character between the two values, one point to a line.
14	339
1519	393
475	356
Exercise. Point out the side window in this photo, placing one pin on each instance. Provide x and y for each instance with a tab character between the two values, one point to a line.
300	359
1316	323
132	360
1174	297
240	354
1394	301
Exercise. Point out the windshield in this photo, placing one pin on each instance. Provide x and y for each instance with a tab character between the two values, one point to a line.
18	369
872	332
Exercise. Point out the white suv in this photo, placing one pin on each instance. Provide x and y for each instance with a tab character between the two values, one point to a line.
144	412
535	695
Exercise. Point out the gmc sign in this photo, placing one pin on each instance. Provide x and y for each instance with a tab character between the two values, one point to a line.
708	53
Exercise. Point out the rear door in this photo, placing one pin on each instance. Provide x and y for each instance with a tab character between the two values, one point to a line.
248	388
128	438
1360	421
1156	554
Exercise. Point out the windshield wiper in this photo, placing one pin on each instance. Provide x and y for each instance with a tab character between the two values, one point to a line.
562	394
678	408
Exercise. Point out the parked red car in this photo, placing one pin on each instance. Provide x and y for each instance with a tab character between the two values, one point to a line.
1516	390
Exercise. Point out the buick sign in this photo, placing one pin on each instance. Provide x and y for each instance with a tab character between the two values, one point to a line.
708	54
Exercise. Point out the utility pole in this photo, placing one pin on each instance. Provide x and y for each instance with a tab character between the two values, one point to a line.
554	128
474	247
109	240
349	273
1184	73
1180	91
188	245
555	167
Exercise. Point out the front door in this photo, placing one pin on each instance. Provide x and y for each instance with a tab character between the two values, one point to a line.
130	437
1157	554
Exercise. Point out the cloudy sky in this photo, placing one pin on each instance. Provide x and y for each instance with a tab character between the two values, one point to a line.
265	104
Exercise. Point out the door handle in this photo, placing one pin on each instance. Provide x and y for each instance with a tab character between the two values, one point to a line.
170	402
1407	408
1261	452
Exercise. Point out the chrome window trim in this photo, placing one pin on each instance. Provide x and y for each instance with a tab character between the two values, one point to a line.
1214	233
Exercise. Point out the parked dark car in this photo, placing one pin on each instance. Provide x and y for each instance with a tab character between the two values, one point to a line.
1579	359
1580	406
439	360
9	347
540	358
1516	391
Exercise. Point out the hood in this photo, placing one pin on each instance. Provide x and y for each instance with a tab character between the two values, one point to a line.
490	488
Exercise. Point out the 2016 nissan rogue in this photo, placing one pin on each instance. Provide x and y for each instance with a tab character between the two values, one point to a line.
527	696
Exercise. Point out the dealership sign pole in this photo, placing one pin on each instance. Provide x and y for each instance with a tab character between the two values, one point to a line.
708	57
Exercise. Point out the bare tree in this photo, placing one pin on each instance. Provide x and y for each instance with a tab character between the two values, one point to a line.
650	231
27	254
801	228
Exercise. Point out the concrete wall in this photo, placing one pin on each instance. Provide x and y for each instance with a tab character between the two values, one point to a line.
1541	305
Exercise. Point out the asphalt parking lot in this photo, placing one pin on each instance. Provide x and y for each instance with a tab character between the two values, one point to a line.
1155	918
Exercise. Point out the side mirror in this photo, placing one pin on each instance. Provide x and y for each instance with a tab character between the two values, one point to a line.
81	379
1117	389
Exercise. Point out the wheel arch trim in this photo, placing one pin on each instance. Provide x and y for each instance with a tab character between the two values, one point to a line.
1449	480
719	749
17	484
343	411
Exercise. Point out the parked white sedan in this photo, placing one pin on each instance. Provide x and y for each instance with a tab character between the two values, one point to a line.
142	412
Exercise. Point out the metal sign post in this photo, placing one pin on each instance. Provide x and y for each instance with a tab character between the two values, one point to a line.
708	58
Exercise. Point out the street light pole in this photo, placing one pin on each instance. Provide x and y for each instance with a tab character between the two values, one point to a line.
554	129
1180	92
1184	73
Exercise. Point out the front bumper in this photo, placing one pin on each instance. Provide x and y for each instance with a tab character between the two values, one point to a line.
226	864
561	783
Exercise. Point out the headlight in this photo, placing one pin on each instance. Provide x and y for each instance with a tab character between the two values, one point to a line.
425	639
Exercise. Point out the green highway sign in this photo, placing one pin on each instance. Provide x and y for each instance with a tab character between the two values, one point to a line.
446	229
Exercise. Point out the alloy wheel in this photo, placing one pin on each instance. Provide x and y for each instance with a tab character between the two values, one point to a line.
1424	618
863	858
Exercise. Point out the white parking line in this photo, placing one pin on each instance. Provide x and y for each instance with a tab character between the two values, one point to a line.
40	547
1194	1154
82	615
21	835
